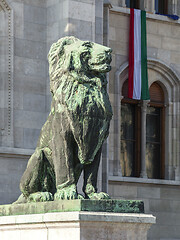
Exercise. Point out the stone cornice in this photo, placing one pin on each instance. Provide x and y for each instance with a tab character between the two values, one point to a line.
4	5
143	180
15	152
151	16
107	4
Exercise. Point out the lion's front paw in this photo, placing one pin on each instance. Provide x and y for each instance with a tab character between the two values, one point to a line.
40	197
99	196
66	193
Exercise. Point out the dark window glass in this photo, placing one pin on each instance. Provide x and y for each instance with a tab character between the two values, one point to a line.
157	6
153	142
132	3
153	124
161	6
153	160
128	3
127	139
131	134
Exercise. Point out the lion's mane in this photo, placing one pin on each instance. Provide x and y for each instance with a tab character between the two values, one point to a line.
70	72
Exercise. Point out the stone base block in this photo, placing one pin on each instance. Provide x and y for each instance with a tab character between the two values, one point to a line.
76	226
109	205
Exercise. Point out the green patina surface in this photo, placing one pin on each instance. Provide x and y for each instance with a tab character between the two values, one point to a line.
114	206
71	139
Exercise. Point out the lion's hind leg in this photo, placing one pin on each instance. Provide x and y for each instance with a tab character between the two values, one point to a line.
38	181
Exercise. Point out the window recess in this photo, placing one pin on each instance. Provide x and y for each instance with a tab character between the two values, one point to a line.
132	162
161	6
133	4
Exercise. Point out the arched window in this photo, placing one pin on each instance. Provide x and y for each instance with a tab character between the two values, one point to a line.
131	134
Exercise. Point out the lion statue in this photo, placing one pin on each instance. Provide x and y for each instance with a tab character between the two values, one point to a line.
71	139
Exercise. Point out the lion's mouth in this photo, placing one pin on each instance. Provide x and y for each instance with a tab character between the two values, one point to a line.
103	60
109	58
105	64
101	63
106	60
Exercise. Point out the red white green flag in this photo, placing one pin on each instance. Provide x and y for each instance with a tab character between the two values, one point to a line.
138	76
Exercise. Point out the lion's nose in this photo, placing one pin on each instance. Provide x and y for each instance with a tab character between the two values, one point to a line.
108	50
108	57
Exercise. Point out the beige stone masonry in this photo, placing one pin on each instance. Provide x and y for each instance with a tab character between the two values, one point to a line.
76	226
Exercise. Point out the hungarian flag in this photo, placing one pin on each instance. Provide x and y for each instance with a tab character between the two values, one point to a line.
138	76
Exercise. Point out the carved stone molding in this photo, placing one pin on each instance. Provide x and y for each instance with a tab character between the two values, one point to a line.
7	130
157	65
4	5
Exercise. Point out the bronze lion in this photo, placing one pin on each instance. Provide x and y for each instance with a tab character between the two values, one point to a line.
71	139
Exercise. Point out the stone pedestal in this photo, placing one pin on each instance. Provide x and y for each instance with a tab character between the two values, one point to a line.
76	226
75	220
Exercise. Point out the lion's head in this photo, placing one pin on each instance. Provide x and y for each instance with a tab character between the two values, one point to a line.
71	55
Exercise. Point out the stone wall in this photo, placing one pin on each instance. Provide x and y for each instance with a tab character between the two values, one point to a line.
161	200
31	28
161	197
28	29
23	88
12	164
29	71
163	50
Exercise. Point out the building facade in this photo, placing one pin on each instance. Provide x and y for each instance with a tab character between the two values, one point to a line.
141	158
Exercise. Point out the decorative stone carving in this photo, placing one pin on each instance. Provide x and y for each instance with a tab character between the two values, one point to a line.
71	139
6	74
